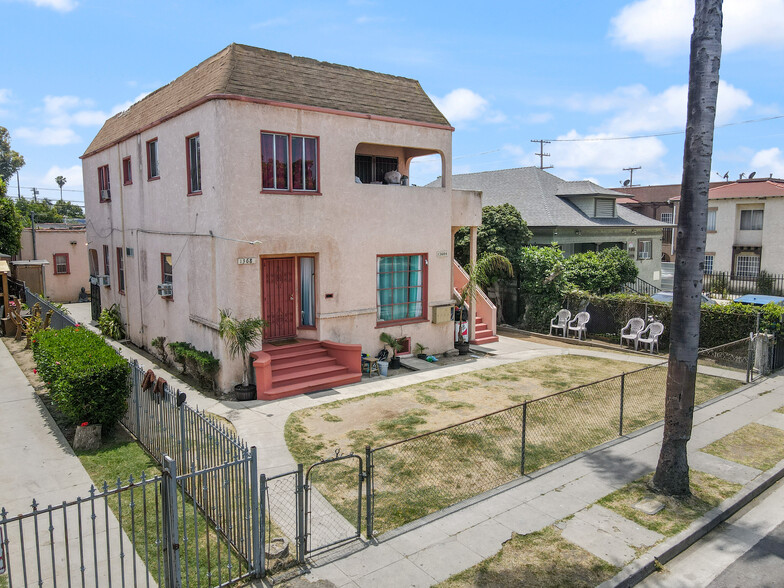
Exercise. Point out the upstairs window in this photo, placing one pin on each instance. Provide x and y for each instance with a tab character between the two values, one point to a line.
751	220
167	270
127	175
104	192
194	164
644	249
289	163
93	262
61	265
370	169
153	171
711	224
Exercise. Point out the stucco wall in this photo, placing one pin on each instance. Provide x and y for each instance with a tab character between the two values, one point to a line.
60	287
345	226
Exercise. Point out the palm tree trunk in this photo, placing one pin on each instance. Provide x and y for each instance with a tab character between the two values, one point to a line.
672	471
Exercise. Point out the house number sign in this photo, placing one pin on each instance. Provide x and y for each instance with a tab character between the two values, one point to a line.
246	260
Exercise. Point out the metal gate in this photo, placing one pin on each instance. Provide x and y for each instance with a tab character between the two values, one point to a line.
95	301
327	525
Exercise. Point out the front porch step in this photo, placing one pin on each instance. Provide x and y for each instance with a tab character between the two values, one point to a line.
296	364
312	386
485	340
307	373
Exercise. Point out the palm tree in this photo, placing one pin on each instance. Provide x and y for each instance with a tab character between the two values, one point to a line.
240	336
480	275
60	182
672	470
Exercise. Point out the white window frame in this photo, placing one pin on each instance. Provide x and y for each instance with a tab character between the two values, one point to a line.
710	223
707	267
753	269
668	217
645	249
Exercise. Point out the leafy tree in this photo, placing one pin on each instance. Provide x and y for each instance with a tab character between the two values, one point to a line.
10	224
542	284
68	210
600	273
672	470
10	160
503	231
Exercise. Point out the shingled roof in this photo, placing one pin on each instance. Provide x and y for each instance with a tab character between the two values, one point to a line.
242	70
544	200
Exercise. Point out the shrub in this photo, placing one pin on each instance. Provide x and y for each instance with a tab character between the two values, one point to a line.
159	343
110	322
542	286
203	364
88	380
600	273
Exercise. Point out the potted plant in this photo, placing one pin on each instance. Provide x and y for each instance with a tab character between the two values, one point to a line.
240	336
419	349
395	346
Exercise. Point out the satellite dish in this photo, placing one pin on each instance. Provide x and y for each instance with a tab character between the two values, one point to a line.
740	177
752	174
626	183
726	177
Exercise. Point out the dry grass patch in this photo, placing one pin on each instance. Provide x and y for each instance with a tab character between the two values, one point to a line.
781	410
427	474
543	559
678	513
754	445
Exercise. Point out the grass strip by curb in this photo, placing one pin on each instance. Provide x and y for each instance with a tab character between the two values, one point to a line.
644	566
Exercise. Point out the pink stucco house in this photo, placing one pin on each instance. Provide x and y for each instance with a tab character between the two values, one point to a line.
253	182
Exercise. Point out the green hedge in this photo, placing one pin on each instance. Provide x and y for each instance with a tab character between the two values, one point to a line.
719	324
88	380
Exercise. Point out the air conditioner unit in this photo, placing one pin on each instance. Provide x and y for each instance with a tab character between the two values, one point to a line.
95	280
165	290
106	195
106	280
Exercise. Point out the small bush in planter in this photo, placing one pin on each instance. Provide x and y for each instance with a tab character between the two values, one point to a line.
395	345
240	336
110	322
419	349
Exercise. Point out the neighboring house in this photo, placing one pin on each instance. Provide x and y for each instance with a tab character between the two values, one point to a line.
253	183
54	261
745	224
579	216
655	202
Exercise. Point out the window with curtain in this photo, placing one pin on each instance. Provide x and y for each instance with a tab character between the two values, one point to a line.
711	220
307	291
399	287
751	220
289	162
194	164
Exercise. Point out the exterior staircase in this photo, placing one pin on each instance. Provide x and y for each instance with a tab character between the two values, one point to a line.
304	366
485	325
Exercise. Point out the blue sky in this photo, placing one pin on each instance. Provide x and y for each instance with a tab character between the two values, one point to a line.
503	73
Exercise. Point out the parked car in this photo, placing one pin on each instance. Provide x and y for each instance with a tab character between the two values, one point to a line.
667	298
760	299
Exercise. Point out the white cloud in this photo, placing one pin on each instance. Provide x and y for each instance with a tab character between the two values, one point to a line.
47	135
461	105
58	5
73	176
5	95
662	28
769	161
603	157
640	111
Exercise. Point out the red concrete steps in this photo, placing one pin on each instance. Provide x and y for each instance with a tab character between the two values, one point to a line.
304	366
483	333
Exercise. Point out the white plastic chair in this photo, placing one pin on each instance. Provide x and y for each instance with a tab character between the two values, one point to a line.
577	324
632	330
561	321
653	331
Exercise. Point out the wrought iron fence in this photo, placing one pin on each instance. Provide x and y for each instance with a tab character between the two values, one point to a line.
145	532
720	284
165	425
59	320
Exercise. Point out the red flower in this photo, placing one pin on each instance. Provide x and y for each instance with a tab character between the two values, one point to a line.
84	424
35	371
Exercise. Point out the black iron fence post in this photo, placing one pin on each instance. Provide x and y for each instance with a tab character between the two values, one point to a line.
522	452
369	506
263	526
623	387
301	530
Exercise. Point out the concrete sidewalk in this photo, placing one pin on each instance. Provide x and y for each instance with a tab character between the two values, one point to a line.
37	463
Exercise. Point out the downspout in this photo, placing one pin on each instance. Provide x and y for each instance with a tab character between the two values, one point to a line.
138	251
122	232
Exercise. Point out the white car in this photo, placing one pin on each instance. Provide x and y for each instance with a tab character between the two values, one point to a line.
667	297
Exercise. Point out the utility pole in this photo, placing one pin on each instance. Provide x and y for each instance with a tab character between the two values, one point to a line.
541	153
35	194
18	186
631	176
32	227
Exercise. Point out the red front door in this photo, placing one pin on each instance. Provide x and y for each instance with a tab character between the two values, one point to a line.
278	288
